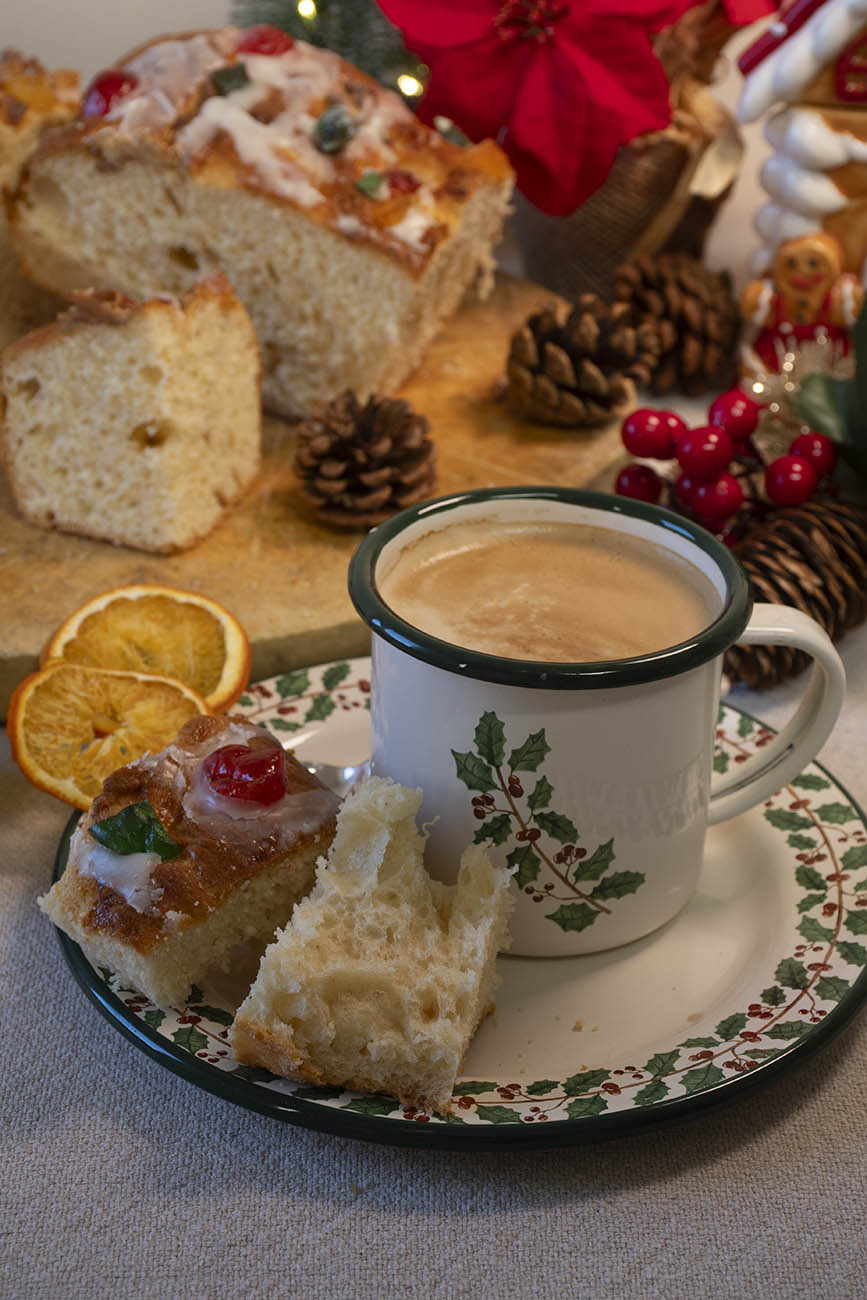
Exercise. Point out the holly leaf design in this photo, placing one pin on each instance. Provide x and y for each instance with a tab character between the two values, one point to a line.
784	820
499	1115
597	864
490	737
836	814
856	922
496	829
527	757
662	1062
252	1074
746	725
318	1092
321	707
584	1081
280	724
773	996
831	987
334	674
475	774
731	1026
855	954
810	878
652	1092
540	1087
811	781
586	1107
154	1018
196	995
706	1076
245	702
798	841
371	1105
700	1042
854	858
792	974
449	1118
295	683
216	1014
526	862
618	885
787	1029
720	761
540	795
560	828
190	1039
573	916
472	1087
813	932
809	901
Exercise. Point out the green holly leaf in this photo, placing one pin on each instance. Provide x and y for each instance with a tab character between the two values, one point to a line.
280	724
809	901
836	814
317	1092
450	1118
831	987
475	774
813	932
720	761
499	1115
229	78
527	757
773	996
540	1087
154	1018
810	878
196	994
294	683
706	1076
662	1062
334	674
788	1029
811	781
217	1014
573	916
372	1105
321	707
586	1107
560	828
792	974
490	737
135	829
472	1087
798	841
785	820
720	715
496	829
370	183
245	702
731	1026
584	1081
652	1092
190	1039
526	862
618	885
700	1042
540	795
856	922
853	953
832	405
596	865
746	725
854	858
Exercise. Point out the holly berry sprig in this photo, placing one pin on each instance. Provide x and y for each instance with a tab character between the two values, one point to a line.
722	478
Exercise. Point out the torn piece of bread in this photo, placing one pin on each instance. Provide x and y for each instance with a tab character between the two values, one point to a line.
382	975
349	229
161	925
139	423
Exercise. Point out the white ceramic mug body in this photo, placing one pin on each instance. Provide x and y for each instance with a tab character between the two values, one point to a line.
592	781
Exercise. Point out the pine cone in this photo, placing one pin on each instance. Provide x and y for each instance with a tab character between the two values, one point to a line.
696	316
813	557
577	368
359	464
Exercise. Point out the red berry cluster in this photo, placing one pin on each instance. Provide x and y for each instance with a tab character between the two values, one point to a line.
717	461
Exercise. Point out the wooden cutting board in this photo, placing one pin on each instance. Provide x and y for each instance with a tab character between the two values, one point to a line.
280	572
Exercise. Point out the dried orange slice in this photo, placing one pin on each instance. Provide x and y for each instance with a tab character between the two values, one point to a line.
70	725
154	629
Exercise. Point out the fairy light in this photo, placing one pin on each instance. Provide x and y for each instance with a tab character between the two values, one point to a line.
307	8
407	83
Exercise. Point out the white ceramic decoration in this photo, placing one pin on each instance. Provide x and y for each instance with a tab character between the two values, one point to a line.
591	781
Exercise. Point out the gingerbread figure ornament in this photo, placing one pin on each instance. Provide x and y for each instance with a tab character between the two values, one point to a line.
809	297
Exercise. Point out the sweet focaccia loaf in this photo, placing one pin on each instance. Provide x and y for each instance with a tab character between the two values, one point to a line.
242	866
349	230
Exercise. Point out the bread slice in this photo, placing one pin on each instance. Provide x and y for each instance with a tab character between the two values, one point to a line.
161	925
382	976
349	247
32	100
137	423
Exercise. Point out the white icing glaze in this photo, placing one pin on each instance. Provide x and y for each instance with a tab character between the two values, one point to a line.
412	227
810	193
241	824
128	874
804	136
785	72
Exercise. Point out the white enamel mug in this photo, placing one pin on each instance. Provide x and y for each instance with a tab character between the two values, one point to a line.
593	781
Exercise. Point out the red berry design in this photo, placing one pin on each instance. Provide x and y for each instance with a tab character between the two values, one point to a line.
652	433
717	498
736	413
241	772
639	482
403	182
818	449
790	480
264	40
105	90
705	451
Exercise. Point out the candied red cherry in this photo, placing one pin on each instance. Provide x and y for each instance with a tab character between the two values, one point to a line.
652	433
264	40
400	182
105	90
254	774
639	482
717	499
790	480
818	449
704	451
736	413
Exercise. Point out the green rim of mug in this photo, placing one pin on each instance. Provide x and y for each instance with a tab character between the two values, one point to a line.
712	641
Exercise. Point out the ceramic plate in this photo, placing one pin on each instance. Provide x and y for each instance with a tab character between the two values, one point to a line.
766	963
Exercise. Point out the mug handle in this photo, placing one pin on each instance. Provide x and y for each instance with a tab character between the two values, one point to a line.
804	735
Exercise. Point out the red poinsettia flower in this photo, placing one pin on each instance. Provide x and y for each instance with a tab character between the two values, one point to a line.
560	84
